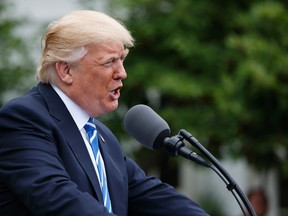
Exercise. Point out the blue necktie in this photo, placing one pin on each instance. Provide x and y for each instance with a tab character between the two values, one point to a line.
93	139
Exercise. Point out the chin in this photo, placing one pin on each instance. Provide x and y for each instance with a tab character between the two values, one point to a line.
112	106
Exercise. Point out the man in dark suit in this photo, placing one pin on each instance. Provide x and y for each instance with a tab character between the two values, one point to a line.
47	165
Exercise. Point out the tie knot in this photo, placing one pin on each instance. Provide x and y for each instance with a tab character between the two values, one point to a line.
90	128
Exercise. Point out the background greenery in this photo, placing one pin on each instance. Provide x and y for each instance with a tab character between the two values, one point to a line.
218	69
16	65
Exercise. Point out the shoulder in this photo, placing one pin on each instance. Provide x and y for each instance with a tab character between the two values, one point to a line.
30	101
25	110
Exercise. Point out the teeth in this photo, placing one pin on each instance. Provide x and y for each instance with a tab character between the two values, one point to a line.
115	91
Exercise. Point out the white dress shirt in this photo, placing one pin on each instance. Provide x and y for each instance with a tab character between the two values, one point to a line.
81	118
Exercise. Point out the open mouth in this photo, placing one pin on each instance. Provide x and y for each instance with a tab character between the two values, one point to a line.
116	93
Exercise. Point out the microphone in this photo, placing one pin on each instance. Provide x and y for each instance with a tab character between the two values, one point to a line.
146	126
150	130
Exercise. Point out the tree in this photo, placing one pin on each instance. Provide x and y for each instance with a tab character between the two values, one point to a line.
221	72
216	68
15	61
258	63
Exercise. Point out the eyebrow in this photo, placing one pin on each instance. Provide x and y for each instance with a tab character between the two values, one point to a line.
109	55
113	56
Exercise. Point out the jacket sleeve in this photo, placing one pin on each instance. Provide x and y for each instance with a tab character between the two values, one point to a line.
150	196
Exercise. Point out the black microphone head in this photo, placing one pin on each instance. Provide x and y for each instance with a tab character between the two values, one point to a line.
146	126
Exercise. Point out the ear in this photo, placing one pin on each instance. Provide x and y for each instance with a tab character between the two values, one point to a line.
64	72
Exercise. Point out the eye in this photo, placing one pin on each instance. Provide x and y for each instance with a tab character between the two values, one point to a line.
109	63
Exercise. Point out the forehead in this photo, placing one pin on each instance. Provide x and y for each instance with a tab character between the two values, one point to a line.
112	49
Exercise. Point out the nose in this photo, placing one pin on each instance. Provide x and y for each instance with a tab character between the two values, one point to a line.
119	71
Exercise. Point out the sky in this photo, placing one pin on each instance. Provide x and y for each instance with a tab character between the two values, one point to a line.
39	12
43	10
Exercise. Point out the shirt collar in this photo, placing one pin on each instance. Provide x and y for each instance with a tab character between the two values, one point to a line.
78	114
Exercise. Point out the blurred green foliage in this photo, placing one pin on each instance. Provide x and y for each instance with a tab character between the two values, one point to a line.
15	59
218	69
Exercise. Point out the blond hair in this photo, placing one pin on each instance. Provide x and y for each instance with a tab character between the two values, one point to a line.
67	39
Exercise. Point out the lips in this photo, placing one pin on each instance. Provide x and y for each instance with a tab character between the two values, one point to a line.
115	93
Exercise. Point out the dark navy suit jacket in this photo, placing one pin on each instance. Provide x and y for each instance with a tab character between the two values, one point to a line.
45	168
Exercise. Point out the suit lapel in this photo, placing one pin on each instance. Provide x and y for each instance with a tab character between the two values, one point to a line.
77	145
73	136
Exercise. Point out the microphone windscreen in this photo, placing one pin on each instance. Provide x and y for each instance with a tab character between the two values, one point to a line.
146	126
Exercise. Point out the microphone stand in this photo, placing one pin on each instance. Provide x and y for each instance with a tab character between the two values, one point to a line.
230	182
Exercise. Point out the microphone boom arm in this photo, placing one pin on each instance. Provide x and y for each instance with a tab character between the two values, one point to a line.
231	185
138	121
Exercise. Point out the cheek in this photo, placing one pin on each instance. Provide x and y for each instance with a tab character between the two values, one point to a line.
95	84
96	88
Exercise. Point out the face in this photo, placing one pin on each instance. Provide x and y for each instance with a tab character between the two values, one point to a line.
97	79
